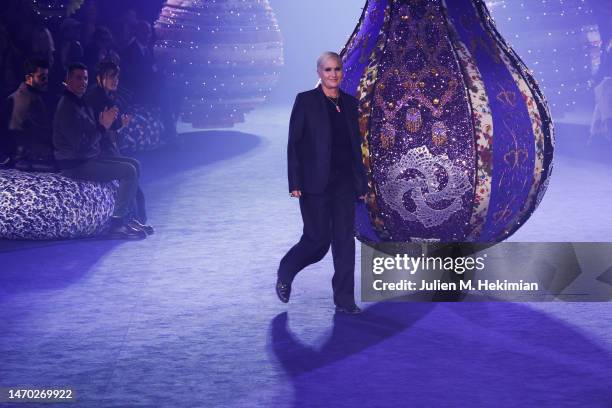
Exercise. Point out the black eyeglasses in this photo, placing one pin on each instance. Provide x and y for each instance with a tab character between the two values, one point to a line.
337	69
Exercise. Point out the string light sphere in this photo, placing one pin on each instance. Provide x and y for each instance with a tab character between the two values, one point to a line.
223	56
55	10
559	40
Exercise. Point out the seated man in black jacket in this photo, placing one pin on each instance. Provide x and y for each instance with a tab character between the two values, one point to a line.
29	121
77	134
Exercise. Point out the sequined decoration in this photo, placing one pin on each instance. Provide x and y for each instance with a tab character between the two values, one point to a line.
414	120
418	175
438	133
418	103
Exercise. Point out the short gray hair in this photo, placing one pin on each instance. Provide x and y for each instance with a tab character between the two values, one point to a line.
326	55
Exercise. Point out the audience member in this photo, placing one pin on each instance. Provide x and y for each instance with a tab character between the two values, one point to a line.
601	123
148	85
123	28
77	134
9	64
42	45
8	82
30	122
104	95
88	13
70	49
101	49
139	63
605	67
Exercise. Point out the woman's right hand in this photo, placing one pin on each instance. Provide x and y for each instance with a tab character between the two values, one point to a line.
108	116
296	194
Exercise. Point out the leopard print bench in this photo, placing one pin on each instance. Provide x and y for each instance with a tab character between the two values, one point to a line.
38	206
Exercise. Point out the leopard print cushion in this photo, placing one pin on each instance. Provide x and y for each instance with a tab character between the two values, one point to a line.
50	206
145	131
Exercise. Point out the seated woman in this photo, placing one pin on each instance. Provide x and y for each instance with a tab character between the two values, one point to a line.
103	97
143	130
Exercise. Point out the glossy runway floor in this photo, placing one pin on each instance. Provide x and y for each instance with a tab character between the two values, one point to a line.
189	318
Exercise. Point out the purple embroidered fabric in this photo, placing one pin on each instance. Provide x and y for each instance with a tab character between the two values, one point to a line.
456	136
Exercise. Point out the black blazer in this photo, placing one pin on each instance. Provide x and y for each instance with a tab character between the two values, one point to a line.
310	139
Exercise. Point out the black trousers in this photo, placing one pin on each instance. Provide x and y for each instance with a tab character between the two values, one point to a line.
138	205
107	168
329	219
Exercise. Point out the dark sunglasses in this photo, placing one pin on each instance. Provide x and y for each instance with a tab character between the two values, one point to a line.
39	77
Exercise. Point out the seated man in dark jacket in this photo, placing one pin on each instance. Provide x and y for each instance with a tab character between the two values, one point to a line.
29	119
77	134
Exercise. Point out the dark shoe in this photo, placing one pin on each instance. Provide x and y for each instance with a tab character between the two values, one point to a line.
283	291
351	309
148	229
125	232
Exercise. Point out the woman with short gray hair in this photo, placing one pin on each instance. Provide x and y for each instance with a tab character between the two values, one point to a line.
326	174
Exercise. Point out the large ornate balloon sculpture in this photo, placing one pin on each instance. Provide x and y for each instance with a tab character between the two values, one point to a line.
457	137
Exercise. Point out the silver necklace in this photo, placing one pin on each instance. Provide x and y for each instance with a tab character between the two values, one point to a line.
335	101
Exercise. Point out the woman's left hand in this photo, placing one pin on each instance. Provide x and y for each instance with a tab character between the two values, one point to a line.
125	120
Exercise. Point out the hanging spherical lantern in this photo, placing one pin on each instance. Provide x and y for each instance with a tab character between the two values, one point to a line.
55	10
224	56
457	137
